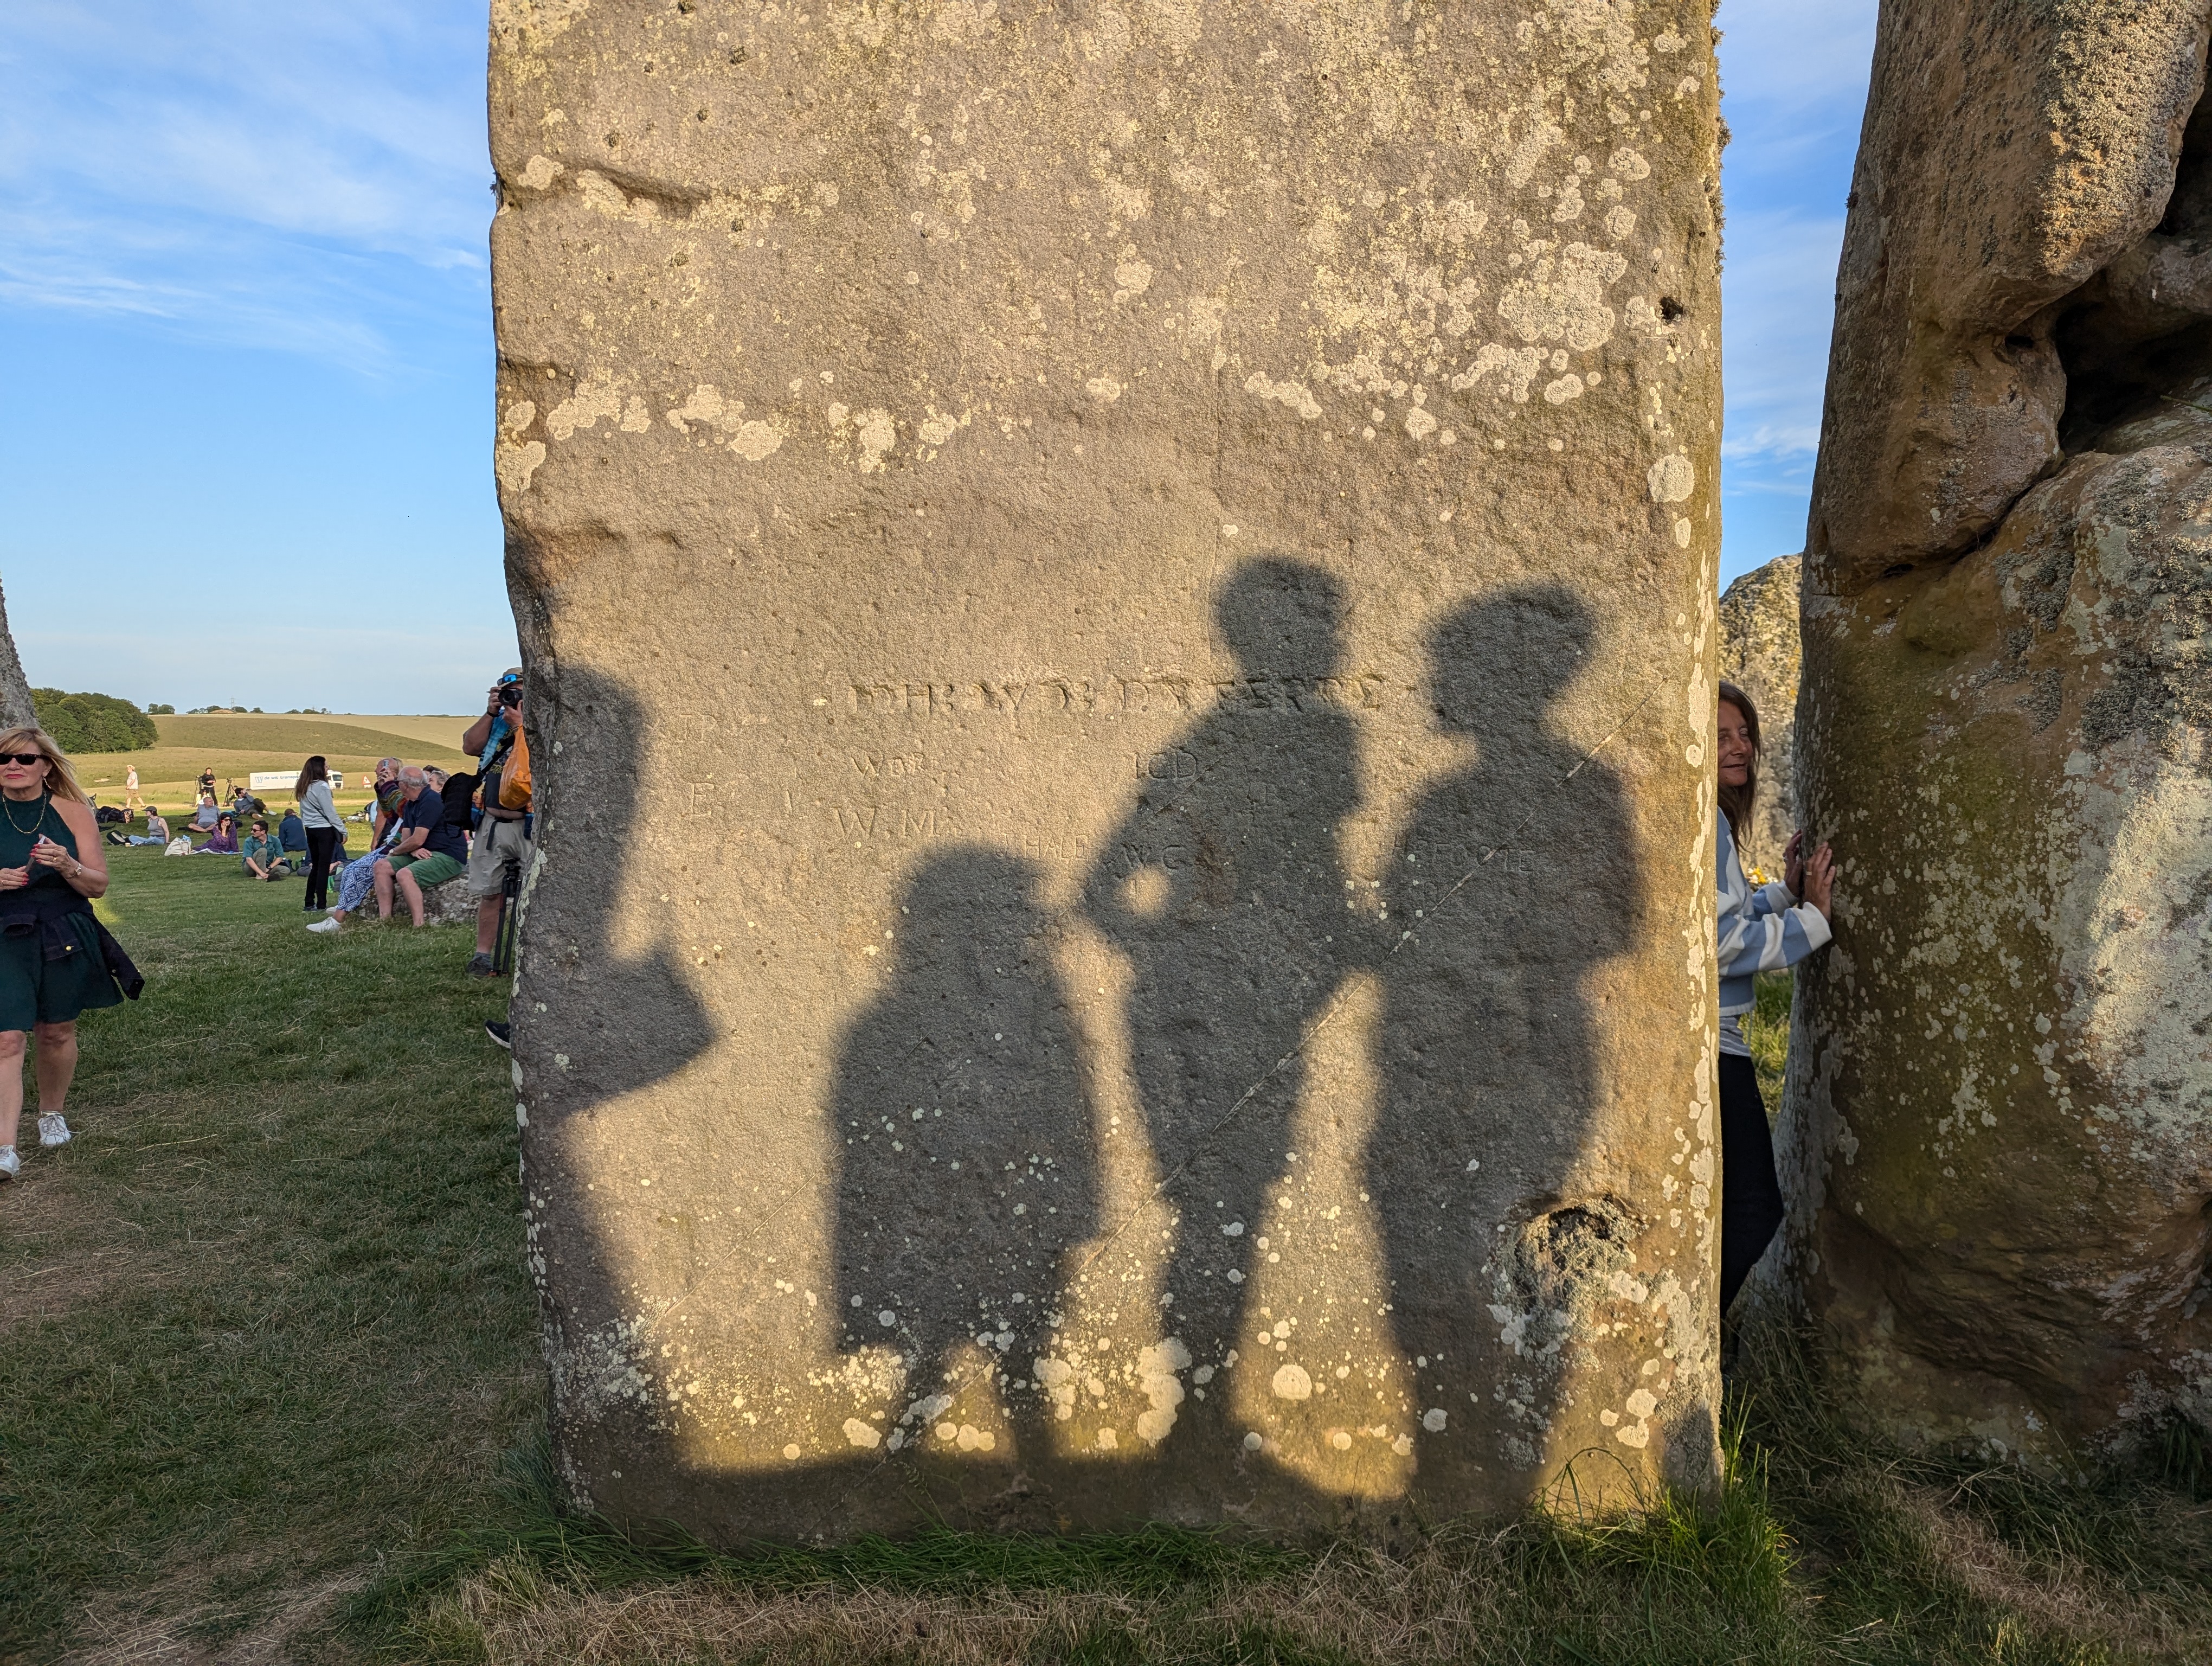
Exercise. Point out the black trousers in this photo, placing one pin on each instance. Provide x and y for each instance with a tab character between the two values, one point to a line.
322	845
1751	1197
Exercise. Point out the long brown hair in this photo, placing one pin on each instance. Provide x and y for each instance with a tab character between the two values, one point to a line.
312	771
61	780
1736	801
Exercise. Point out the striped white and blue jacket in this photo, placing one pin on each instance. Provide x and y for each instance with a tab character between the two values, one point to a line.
1760	930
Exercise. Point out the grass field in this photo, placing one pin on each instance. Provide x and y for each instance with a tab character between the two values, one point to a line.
416	729
273	1393
234	746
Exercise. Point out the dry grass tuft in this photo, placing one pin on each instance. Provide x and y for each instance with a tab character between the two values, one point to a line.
1445	1603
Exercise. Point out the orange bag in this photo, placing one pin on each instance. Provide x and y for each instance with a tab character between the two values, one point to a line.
514	780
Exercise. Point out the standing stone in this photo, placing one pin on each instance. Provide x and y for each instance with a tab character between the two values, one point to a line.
1120	607
2001	1097
17	707
1759	654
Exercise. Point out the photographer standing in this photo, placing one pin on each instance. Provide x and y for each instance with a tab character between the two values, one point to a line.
501	844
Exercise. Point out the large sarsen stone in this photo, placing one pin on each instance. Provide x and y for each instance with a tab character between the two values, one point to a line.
2000	1115
1120	612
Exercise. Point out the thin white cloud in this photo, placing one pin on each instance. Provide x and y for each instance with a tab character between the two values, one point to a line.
1794	77
1778	311
1808	59
245	172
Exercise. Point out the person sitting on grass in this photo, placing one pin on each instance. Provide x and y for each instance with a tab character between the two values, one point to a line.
207	815
223	842
262	856
292	833
157	831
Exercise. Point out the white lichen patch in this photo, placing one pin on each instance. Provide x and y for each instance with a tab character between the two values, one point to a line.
1672	478
1295	394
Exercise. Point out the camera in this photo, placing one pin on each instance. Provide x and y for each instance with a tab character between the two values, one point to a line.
510	695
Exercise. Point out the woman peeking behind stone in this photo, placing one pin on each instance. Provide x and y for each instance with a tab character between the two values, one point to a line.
1760	930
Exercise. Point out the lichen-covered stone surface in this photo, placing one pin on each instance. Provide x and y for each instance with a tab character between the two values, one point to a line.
1758	652
2000	1115
1120	606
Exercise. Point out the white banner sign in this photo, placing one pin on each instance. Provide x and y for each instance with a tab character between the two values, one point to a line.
263	780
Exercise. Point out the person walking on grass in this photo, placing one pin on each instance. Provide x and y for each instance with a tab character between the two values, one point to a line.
319	810
1760	930
131	801
54	957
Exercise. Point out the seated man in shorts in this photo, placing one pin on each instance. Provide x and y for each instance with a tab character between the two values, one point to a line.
430	852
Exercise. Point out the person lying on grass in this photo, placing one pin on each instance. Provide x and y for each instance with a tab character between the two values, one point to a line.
262	856
157	831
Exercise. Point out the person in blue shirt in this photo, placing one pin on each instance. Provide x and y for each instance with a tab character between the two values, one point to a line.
292	835
431	849
1760	930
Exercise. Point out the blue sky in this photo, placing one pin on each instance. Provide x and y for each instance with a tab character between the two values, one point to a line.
245	327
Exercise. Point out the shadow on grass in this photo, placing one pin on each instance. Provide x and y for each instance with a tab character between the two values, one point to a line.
1823	1547
1671	1582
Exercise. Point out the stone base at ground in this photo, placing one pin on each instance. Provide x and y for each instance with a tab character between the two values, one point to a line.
1119	609
448	904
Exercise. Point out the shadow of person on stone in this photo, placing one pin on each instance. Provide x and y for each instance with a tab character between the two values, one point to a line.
966	1158
1225	889
624	1020
1486	1052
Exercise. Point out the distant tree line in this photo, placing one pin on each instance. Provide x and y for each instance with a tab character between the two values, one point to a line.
94	722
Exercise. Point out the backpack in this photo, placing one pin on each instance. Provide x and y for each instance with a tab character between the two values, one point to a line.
459	795
179	847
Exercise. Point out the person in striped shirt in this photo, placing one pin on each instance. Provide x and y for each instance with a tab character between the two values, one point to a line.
1764	930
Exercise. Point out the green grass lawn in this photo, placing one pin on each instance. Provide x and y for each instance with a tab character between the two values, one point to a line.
272	1392
265	1320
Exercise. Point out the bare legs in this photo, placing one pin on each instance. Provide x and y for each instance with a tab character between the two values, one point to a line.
55	1062
408	888
487	924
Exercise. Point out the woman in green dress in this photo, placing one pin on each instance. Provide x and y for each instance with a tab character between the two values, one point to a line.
51	963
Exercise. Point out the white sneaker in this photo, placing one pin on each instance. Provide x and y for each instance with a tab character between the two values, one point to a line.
10	1164
53	1128
324	925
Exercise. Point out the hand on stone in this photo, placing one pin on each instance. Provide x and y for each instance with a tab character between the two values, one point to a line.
1819	879
1793	864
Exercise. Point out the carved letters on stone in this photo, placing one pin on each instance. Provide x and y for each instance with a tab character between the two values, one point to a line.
1120	612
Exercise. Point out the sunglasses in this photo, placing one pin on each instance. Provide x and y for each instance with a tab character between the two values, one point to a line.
26	759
